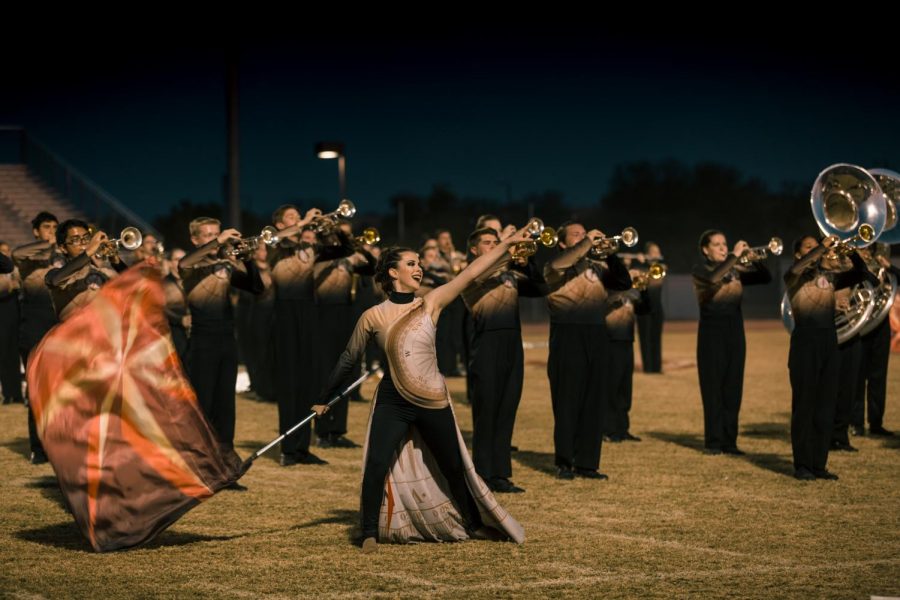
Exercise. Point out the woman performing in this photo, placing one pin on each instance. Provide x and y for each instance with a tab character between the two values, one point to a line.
419	483
719	284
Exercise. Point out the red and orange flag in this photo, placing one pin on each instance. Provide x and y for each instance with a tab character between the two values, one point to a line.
118	419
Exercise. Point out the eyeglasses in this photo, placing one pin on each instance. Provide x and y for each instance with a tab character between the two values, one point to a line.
79	241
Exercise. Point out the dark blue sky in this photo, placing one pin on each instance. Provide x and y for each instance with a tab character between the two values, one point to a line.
538	107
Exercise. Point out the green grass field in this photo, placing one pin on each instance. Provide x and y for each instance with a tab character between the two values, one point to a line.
671	522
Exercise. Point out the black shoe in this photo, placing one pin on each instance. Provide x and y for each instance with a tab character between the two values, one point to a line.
824	474
502	485
804	474
628	437
310	459
842	447
733	451
880	431
565	473
858	430
235	487
590	474
38	458
339	441
613	438
324	442
287	460
712	451
513	448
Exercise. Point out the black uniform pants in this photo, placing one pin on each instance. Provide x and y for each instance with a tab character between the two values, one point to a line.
213	363
850	357
650	333
391	420
577	368
31	331
10	375
449	338
871	390
296	369
814	370
497	370
621	371
336	323
721	351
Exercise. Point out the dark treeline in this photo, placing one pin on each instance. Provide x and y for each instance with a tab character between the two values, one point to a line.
667	202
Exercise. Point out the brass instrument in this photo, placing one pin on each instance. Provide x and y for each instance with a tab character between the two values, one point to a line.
865	234
885	293
848	203
325	223
547	236
656	271
889	182
775	247
370	237
129	239
245	247
604	246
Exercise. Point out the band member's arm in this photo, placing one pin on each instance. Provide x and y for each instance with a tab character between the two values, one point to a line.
57	277
310	216
6	264
118	264
34	250
344	371
811	259
529	279
570	256
616	276
328	252
756	273
719	272
248	278
444	295
858	273
364	263
190	259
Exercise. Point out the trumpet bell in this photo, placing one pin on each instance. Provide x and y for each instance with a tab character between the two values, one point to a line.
629	236
776	246
657	271
549	237
370	236
845	198
535	227
131	238
889	181
346	209
269	236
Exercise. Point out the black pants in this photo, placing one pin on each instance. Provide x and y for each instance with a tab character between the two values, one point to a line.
213	362
850	356
391	419
10	375
497	370
297	369
814	369
336	323
181	341
577	368
32	330
721	351
650	333
871	388
262	344
621	371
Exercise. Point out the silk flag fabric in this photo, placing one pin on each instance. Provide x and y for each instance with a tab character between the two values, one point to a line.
118	419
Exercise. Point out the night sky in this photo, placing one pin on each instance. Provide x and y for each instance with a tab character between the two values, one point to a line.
488	110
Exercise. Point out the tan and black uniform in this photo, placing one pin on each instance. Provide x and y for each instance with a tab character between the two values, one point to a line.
814	362
176	310
333	277
650	324
623	307
721	346
297	358
212	355
37	316
871	389
578	364
78	282
496	361
10	375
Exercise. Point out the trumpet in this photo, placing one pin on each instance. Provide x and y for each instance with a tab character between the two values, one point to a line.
656	271
775	247
865	235
326	222
547	236
370	237
604	246
244	247
129	238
